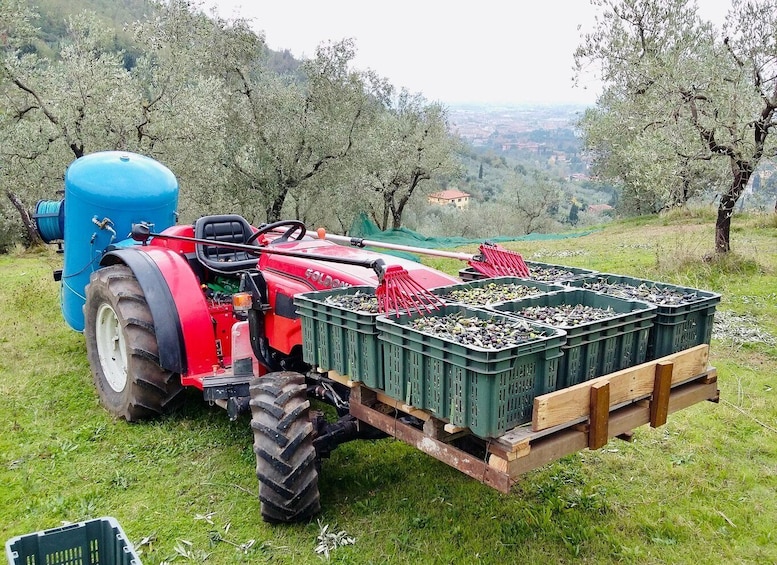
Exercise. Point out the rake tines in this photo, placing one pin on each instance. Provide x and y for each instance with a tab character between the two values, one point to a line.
397	292
496	261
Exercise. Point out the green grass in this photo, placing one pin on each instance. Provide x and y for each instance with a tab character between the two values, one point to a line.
701	489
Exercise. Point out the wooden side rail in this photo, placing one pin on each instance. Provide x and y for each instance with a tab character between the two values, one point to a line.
523	450
572	403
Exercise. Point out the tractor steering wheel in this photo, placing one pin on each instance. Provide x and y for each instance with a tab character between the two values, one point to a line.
296	225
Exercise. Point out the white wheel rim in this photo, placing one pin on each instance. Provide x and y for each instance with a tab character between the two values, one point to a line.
111	347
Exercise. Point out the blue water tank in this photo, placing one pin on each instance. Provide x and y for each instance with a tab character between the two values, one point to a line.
105	193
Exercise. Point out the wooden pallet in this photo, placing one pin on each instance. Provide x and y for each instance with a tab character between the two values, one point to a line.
569	420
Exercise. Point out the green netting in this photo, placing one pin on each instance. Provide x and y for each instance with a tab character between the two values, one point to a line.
367	229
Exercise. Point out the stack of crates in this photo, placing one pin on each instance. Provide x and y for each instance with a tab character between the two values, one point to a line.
488	390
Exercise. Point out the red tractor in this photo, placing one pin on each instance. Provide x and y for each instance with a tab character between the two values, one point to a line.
208	305
211	305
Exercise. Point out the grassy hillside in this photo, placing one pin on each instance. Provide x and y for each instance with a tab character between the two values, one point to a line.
701	489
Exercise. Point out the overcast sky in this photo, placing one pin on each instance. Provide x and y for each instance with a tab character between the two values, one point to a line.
489	51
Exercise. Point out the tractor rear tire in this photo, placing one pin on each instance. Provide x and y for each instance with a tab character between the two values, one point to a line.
286	464
122	347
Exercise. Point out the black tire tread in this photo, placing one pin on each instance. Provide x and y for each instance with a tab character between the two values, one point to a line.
151	390
286	464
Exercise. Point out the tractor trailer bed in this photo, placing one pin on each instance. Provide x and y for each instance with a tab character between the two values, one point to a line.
582	416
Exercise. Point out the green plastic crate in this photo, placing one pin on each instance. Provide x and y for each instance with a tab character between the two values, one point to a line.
541	287
676	327
94	542
570	274
339	339
488	391
599	347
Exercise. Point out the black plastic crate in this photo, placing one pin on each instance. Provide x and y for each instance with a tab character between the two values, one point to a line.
595	348
93	542
677	326
448	293
341	339
486	390
543	272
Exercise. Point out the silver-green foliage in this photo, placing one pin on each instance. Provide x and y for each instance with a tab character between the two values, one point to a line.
201	98
686	107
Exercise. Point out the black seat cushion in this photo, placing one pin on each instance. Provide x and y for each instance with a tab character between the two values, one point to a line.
226	228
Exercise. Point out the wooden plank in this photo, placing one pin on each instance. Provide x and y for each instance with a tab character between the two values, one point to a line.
557	408
659	403
402	407
342	379
434	428
363	395
468	464
622	420
600	415
501	465
510	451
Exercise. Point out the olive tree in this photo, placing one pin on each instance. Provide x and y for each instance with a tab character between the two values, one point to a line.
692	94
286	134
57	109
411	146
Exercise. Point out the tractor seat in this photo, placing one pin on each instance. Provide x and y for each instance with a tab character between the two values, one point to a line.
226	228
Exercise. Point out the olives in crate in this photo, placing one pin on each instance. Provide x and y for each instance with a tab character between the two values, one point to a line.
550	273
489	293
566	315
494	333
649	293
358	301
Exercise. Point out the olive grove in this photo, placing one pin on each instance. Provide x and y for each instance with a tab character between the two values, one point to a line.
200	95
686	107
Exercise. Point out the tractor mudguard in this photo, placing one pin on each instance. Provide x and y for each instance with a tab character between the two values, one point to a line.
182	323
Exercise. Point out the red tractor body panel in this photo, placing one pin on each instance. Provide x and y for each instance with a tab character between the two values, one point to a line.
177	245
324	275
206	325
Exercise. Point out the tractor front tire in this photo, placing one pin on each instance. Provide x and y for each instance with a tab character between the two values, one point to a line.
122	347
286	463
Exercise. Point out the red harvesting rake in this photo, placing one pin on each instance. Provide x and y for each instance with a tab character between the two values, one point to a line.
398	292
492	261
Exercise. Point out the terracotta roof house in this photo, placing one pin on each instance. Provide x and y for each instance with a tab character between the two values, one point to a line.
599	208
451	197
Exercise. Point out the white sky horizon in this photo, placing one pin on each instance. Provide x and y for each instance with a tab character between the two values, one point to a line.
489	52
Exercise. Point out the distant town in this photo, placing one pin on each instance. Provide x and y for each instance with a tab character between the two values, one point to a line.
534	132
